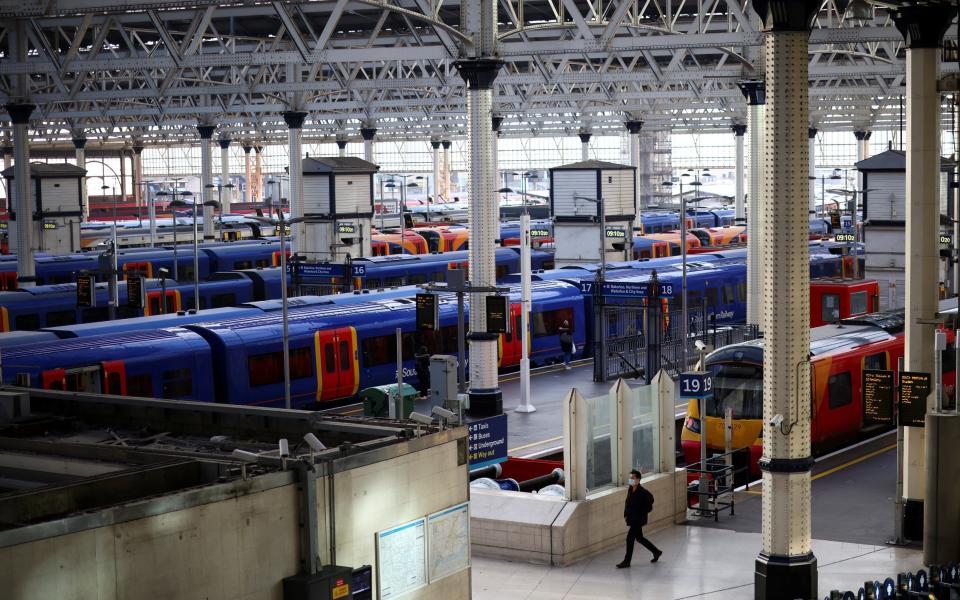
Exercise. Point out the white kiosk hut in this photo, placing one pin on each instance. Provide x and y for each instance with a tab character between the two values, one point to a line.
884	220
578	192
57	207
338	195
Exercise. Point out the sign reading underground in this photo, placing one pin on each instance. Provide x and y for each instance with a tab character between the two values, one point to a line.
487	441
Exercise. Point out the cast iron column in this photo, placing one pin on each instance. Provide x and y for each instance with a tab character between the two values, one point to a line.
226	194
584	145
368	133
206	177
633	128
739	130
247	174
294	120
80	144
22	198
786	566
755	93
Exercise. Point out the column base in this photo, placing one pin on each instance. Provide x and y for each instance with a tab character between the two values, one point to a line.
485	403
913	519
780	577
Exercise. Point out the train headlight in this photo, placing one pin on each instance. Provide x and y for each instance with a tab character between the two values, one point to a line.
692	424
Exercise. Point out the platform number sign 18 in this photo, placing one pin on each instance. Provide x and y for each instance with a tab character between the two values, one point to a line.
695	384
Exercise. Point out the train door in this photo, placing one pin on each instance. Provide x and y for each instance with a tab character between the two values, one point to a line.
153	303
510	348
338	375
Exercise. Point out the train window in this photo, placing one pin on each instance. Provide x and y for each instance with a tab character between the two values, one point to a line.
329	360
712	296
858	303
264	369
262	263
177	383
372	284
876	361
742	291
502	271
220	300
394	281
839	390
548	322
417	279
728	295
114	384
380	350
549	264
128	312
644	254
93	315
830	308
27	322
344	356
140	385
242	264
440	276
949	359
739	387
61	317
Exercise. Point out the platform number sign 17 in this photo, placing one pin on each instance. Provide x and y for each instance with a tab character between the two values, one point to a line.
695	384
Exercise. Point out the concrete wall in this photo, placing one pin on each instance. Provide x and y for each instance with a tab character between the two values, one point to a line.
236	540
531	528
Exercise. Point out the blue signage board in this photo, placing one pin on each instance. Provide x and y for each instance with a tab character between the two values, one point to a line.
317	270
695	384
487	441
359	270
624	289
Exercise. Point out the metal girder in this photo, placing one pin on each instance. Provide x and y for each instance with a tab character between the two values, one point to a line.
147	65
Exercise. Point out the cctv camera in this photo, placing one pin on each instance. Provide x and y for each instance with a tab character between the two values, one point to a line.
315	444
284	448
776	420
421	418
245	456
702	347
443	413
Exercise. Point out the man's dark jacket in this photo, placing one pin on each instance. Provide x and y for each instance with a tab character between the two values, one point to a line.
638	506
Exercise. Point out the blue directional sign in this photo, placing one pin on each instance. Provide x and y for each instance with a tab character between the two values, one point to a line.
359	270
487	441
695	384
317	270
624	289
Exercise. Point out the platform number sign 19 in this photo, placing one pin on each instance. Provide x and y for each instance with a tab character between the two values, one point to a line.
695	384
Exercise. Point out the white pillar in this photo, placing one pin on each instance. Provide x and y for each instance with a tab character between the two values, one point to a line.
496	121
79	144
138	187
294	120
753	91
367	133
206	178
247	175
479	71
226	194
633	128
445	170
811	179
435	145
739	213
22	200
257	193
584	145
786	566
923	30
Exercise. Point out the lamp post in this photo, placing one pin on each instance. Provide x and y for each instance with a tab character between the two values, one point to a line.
281	223
114	291
196	249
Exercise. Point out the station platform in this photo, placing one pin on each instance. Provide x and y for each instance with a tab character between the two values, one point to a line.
853	519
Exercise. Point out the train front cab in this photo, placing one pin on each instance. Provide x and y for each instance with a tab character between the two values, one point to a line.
832	300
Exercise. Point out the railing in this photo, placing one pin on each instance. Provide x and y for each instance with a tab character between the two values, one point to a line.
716	481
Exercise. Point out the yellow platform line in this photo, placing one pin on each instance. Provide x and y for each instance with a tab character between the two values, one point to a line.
854	461
532	444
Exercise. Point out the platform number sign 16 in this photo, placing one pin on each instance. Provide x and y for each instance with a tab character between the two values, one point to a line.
695	384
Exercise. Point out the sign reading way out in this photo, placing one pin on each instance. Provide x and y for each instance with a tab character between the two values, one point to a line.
487	441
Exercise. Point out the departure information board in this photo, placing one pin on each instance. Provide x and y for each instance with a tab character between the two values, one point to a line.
914	389
86	291
878	394
428	312
498	318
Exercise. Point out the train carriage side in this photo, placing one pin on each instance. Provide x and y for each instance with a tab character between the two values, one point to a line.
165	363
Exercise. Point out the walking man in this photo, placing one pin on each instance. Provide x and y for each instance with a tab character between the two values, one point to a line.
635	510
566	344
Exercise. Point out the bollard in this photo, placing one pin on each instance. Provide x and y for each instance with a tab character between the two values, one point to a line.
491	471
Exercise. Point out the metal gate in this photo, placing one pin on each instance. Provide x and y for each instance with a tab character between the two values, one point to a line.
639	337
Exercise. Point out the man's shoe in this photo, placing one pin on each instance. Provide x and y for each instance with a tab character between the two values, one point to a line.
623	565
656	556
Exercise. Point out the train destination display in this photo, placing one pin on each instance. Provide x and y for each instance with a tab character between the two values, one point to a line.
878	394
914	389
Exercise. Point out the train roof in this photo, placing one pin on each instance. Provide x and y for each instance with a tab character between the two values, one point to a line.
848	334
148	339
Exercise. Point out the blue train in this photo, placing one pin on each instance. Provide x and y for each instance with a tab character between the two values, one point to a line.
42	306
339	345
214	257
